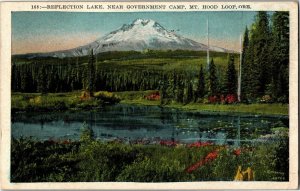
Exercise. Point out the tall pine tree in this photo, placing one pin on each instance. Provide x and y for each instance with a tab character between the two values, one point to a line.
201	85
163	89
180	89
260	42
189	92
91	72
42	80
280	56
246	70
212	79
231	76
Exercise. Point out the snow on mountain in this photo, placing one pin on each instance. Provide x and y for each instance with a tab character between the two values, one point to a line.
140	35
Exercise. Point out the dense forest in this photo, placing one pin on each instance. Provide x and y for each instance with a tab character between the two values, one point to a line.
265	65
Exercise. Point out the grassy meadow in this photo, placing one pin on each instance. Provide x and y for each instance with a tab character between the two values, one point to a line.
164	64
73	100
89	160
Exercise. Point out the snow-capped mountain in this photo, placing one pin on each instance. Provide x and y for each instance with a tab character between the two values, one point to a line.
140	35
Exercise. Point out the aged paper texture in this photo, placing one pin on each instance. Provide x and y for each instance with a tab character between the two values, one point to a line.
149	95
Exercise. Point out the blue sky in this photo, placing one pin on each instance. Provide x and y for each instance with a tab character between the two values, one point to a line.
50	31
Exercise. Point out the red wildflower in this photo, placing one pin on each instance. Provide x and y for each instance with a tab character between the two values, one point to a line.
195	166
168	143
237	152
231	98
213	99
66	142
153	96
210	157
199	144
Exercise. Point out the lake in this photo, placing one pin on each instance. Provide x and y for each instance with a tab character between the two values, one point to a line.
152	123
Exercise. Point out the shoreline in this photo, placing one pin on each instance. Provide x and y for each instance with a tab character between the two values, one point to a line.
194	107
67	101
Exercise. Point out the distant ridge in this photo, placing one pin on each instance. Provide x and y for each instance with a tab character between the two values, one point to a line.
140	35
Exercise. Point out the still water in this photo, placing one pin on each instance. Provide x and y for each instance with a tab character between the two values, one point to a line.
128	122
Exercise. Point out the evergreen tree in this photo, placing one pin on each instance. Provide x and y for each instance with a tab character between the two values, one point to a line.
24	79
91	72
189	92
212	79
251	69
51	79
246	70
231	76
42	80
201	85
280	55
180	89
169	86
14	78
174	83
261	53
87	133
163	90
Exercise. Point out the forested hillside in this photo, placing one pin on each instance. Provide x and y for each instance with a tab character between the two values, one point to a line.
180	75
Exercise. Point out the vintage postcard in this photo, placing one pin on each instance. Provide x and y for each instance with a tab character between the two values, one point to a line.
149	95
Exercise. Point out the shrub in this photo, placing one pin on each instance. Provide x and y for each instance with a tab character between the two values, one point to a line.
85	95
107	97
282	155
59	106
266	99
153	97
213	99
228	99
89	104
87	133
149	170
231	98
36	161
104	161
90	160
210	157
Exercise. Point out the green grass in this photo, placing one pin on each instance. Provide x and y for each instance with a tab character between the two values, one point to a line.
266	109
91	160
181	60
126	55
263	109
59	101
188	61
165	64
24	101
136	97
37	101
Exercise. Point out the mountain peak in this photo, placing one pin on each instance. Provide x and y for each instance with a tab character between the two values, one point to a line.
146	27
148	23
139	35
137	23
142	22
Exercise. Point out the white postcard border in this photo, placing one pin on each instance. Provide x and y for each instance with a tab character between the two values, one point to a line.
5	100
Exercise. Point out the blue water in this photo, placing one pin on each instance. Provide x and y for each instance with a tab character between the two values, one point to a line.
128	122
